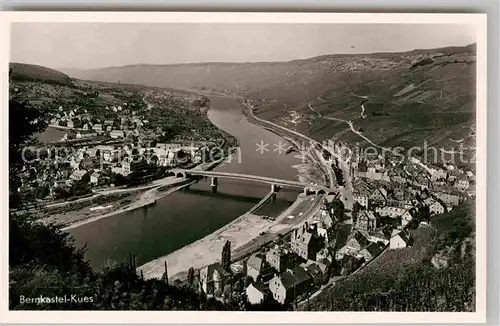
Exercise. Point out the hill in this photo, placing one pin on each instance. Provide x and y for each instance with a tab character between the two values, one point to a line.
28	72
423	96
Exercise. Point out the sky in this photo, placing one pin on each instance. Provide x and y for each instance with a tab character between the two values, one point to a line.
97	45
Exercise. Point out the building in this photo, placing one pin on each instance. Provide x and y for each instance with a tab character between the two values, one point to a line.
70	124
87	163
258	269
78	175
130	165
280	259
382	235
398	179
168	147
85	134
366	221
324	254
359	240
116	134
371	251
213	278
362	199
379	195
95	178
97	127
105	152
256	292
408	216
306	242
400	239
390	211
449	199
317	276
287	286
325	225
435	206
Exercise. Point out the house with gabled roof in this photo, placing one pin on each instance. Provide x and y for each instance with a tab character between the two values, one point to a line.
408	216
382	235
256	292
436	207
400	239
213	277
371	251
379	195
280	258
306	241
359	240
390	211
258	269
366	221
287	286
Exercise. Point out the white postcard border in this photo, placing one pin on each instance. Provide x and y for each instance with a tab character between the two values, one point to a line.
477	20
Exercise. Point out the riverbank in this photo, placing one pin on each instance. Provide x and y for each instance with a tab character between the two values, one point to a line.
247	234
320	171
149	197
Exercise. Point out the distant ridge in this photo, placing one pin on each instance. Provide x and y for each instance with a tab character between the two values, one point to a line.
29	72
471	48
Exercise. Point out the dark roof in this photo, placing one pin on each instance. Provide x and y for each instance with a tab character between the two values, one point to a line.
294	277
384	232
260	286
404	235
342	235
325	261
373	248
361	238
216	267
313	270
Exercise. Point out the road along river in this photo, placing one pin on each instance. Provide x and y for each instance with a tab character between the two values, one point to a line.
157	233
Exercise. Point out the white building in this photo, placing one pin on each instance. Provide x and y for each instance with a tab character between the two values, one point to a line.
116	134
256	293
400	239
94	178
361	199
437	208
97	127
390	211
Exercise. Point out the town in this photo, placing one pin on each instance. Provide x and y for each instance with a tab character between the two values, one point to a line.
121	144
390	199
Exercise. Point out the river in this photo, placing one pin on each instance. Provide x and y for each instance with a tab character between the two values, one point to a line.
187	216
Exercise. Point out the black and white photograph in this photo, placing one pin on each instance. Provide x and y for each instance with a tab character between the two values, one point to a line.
327	164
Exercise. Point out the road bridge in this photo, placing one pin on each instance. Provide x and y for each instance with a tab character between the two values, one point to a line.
275	183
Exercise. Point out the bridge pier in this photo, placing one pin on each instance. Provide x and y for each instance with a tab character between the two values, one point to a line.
274	190
307	191
213	183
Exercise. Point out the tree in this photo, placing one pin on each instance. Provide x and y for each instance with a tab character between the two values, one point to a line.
226	255
191	276
356	207
337	206
42	191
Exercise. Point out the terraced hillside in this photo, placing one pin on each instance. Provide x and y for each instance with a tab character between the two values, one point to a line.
408	98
